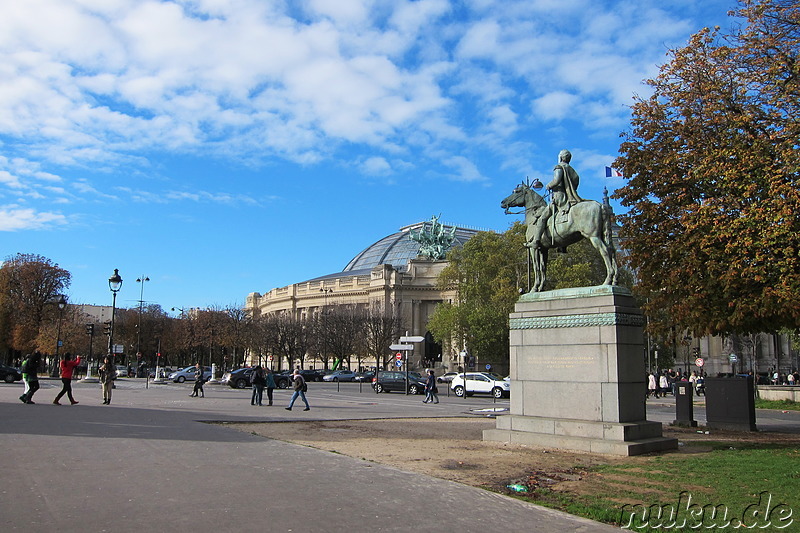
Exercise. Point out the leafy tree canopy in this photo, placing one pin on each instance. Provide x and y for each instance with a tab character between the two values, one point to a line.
29	284
712	162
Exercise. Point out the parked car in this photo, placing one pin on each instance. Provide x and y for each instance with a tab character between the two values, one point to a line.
312	375
396	381
365	377
187	374
481	383
283	379
9	374
340	375
122	371
241	378
447	377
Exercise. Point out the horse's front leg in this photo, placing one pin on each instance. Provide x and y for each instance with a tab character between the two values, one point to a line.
539	257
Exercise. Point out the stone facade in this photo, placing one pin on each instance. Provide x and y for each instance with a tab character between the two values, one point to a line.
413	292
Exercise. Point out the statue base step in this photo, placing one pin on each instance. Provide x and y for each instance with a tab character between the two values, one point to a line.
624	438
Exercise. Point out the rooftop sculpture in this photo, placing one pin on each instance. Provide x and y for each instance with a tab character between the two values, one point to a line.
434	237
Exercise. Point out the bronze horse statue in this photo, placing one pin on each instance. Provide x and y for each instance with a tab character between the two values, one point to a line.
585	220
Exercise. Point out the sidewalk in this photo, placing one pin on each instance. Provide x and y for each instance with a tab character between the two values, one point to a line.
146	463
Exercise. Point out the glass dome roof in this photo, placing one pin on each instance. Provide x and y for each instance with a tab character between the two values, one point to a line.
398	248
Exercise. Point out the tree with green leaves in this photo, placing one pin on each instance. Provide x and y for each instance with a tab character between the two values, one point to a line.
712	165
487	273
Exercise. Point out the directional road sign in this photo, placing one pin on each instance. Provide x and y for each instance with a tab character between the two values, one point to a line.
401	347
412	339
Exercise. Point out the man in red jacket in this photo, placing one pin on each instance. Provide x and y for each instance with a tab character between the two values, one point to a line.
67	366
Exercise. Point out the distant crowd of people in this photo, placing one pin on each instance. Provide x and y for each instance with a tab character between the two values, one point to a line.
663	383
784	378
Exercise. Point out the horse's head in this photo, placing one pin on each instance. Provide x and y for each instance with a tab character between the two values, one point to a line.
523	196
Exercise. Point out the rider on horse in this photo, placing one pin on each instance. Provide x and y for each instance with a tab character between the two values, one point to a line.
563	193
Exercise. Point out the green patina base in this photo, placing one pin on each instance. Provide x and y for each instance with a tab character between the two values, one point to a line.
575	292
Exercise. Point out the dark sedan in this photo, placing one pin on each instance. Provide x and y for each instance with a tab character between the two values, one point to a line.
396	381
9	374
239	378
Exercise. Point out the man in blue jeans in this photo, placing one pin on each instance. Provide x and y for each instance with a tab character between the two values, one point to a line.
299	390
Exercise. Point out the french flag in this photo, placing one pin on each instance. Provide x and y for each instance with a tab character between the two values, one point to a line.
613	173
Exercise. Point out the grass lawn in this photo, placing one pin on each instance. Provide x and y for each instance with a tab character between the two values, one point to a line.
783	405
704	486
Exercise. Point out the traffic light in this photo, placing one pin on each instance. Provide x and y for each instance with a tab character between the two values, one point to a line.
90	329
107	327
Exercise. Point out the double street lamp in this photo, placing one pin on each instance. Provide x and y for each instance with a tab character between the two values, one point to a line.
114	285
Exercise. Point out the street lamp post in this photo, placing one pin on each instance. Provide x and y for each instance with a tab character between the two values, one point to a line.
687	340
182	315
62	304
140	280
325	292
114	285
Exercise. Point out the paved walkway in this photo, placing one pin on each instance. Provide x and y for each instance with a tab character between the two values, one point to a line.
146	463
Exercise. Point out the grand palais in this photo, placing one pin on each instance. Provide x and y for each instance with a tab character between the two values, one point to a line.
394	272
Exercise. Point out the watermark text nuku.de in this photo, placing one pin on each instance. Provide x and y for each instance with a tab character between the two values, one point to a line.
767	512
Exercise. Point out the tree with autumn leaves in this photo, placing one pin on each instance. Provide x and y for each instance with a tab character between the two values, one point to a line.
29	287
713	226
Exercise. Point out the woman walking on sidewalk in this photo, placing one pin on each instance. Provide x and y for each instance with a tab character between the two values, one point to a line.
270	385
67	366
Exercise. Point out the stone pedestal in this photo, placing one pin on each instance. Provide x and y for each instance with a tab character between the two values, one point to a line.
578	374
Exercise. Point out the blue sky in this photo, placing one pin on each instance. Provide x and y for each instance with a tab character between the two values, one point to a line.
222	147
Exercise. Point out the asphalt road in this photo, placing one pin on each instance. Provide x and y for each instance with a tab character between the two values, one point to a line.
148	463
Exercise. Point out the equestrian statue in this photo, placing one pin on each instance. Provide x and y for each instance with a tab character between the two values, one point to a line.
567	219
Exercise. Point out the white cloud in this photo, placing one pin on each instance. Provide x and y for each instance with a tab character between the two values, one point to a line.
376	166
13	218
10	180
95	81
465	170
555	105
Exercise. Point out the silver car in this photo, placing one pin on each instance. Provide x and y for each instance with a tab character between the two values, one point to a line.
187	374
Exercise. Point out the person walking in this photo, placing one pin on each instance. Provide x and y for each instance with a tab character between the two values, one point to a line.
107	373
67	366
663	383
300	389
270	384
198	381
258	381
430	389
652	385
30	375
